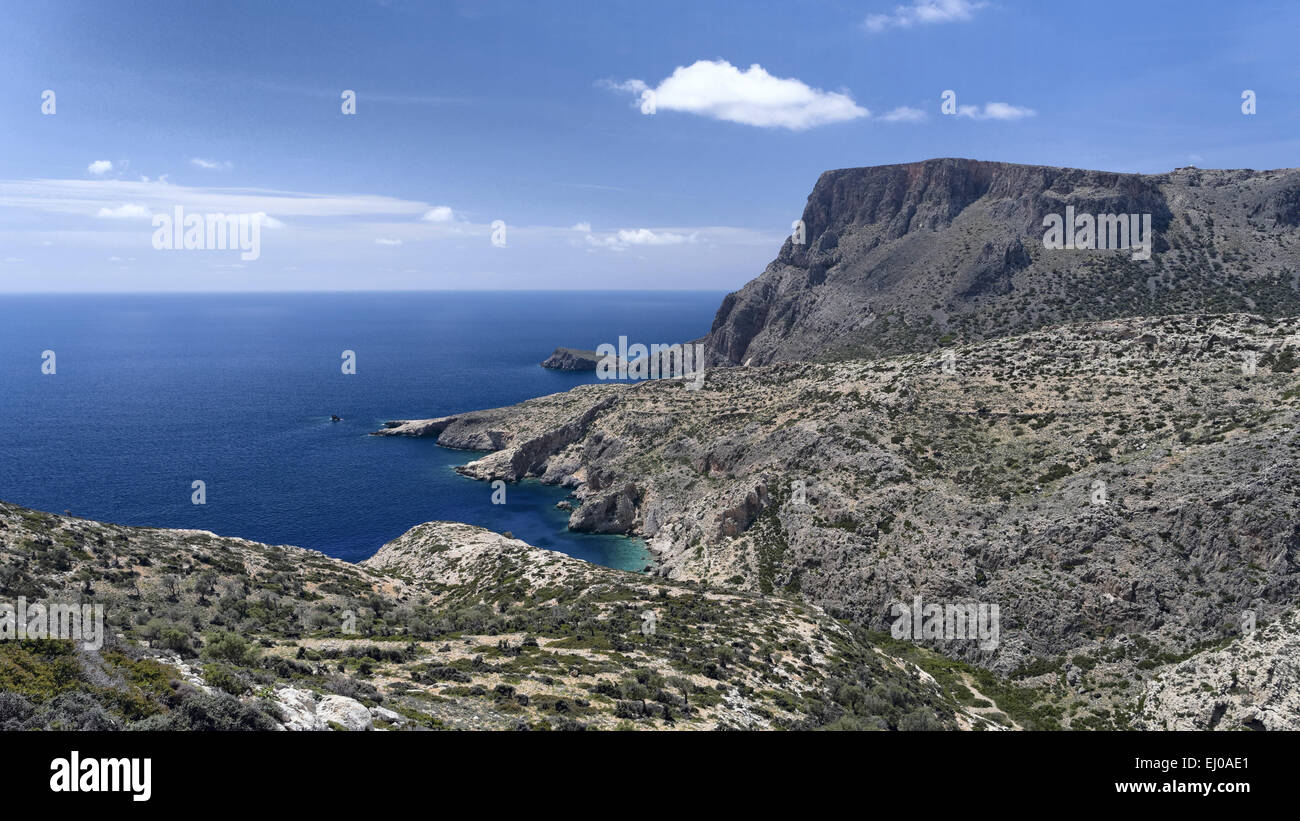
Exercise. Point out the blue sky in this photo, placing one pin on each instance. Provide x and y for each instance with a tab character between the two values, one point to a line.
531	113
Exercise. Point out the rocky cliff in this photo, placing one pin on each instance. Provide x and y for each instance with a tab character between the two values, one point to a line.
903	258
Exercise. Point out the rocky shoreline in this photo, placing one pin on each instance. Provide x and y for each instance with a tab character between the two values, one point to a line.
913	479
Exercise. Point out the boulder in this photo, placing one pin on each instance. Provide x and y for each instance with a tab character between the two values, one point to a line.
345	712
306	710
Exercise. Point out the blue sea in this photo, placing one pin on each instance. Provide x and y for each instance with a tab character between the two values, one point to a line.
152	392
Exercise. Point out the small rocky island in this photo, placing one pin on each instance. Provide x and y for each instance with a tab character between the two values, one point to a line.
572	359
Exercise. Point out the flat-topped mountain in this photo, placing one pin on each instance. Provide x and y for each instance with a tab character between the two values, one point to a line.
902	258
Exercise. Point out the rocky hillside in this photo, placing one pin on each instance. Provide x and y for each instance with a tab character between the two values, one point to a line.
447	627
1123	490
903	258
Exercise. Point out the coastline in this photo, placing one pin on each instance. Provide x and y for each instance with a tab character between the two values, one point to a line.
435	427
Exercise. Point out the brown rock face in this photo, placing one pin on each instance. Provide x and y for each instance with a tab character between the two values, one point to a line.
736	520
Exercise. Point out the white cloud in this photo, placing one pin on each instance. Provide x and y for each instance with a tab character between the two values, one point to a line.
127	210
717	89
632	86
440	213
99	167
625	238
995	111
88	196
904	114
584	227
331	236
211	165
387	241
268	221
924	13
644	236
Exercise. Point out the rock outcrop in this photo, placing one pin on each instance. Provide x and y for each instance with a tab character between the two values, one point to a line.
308	710
1251	684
